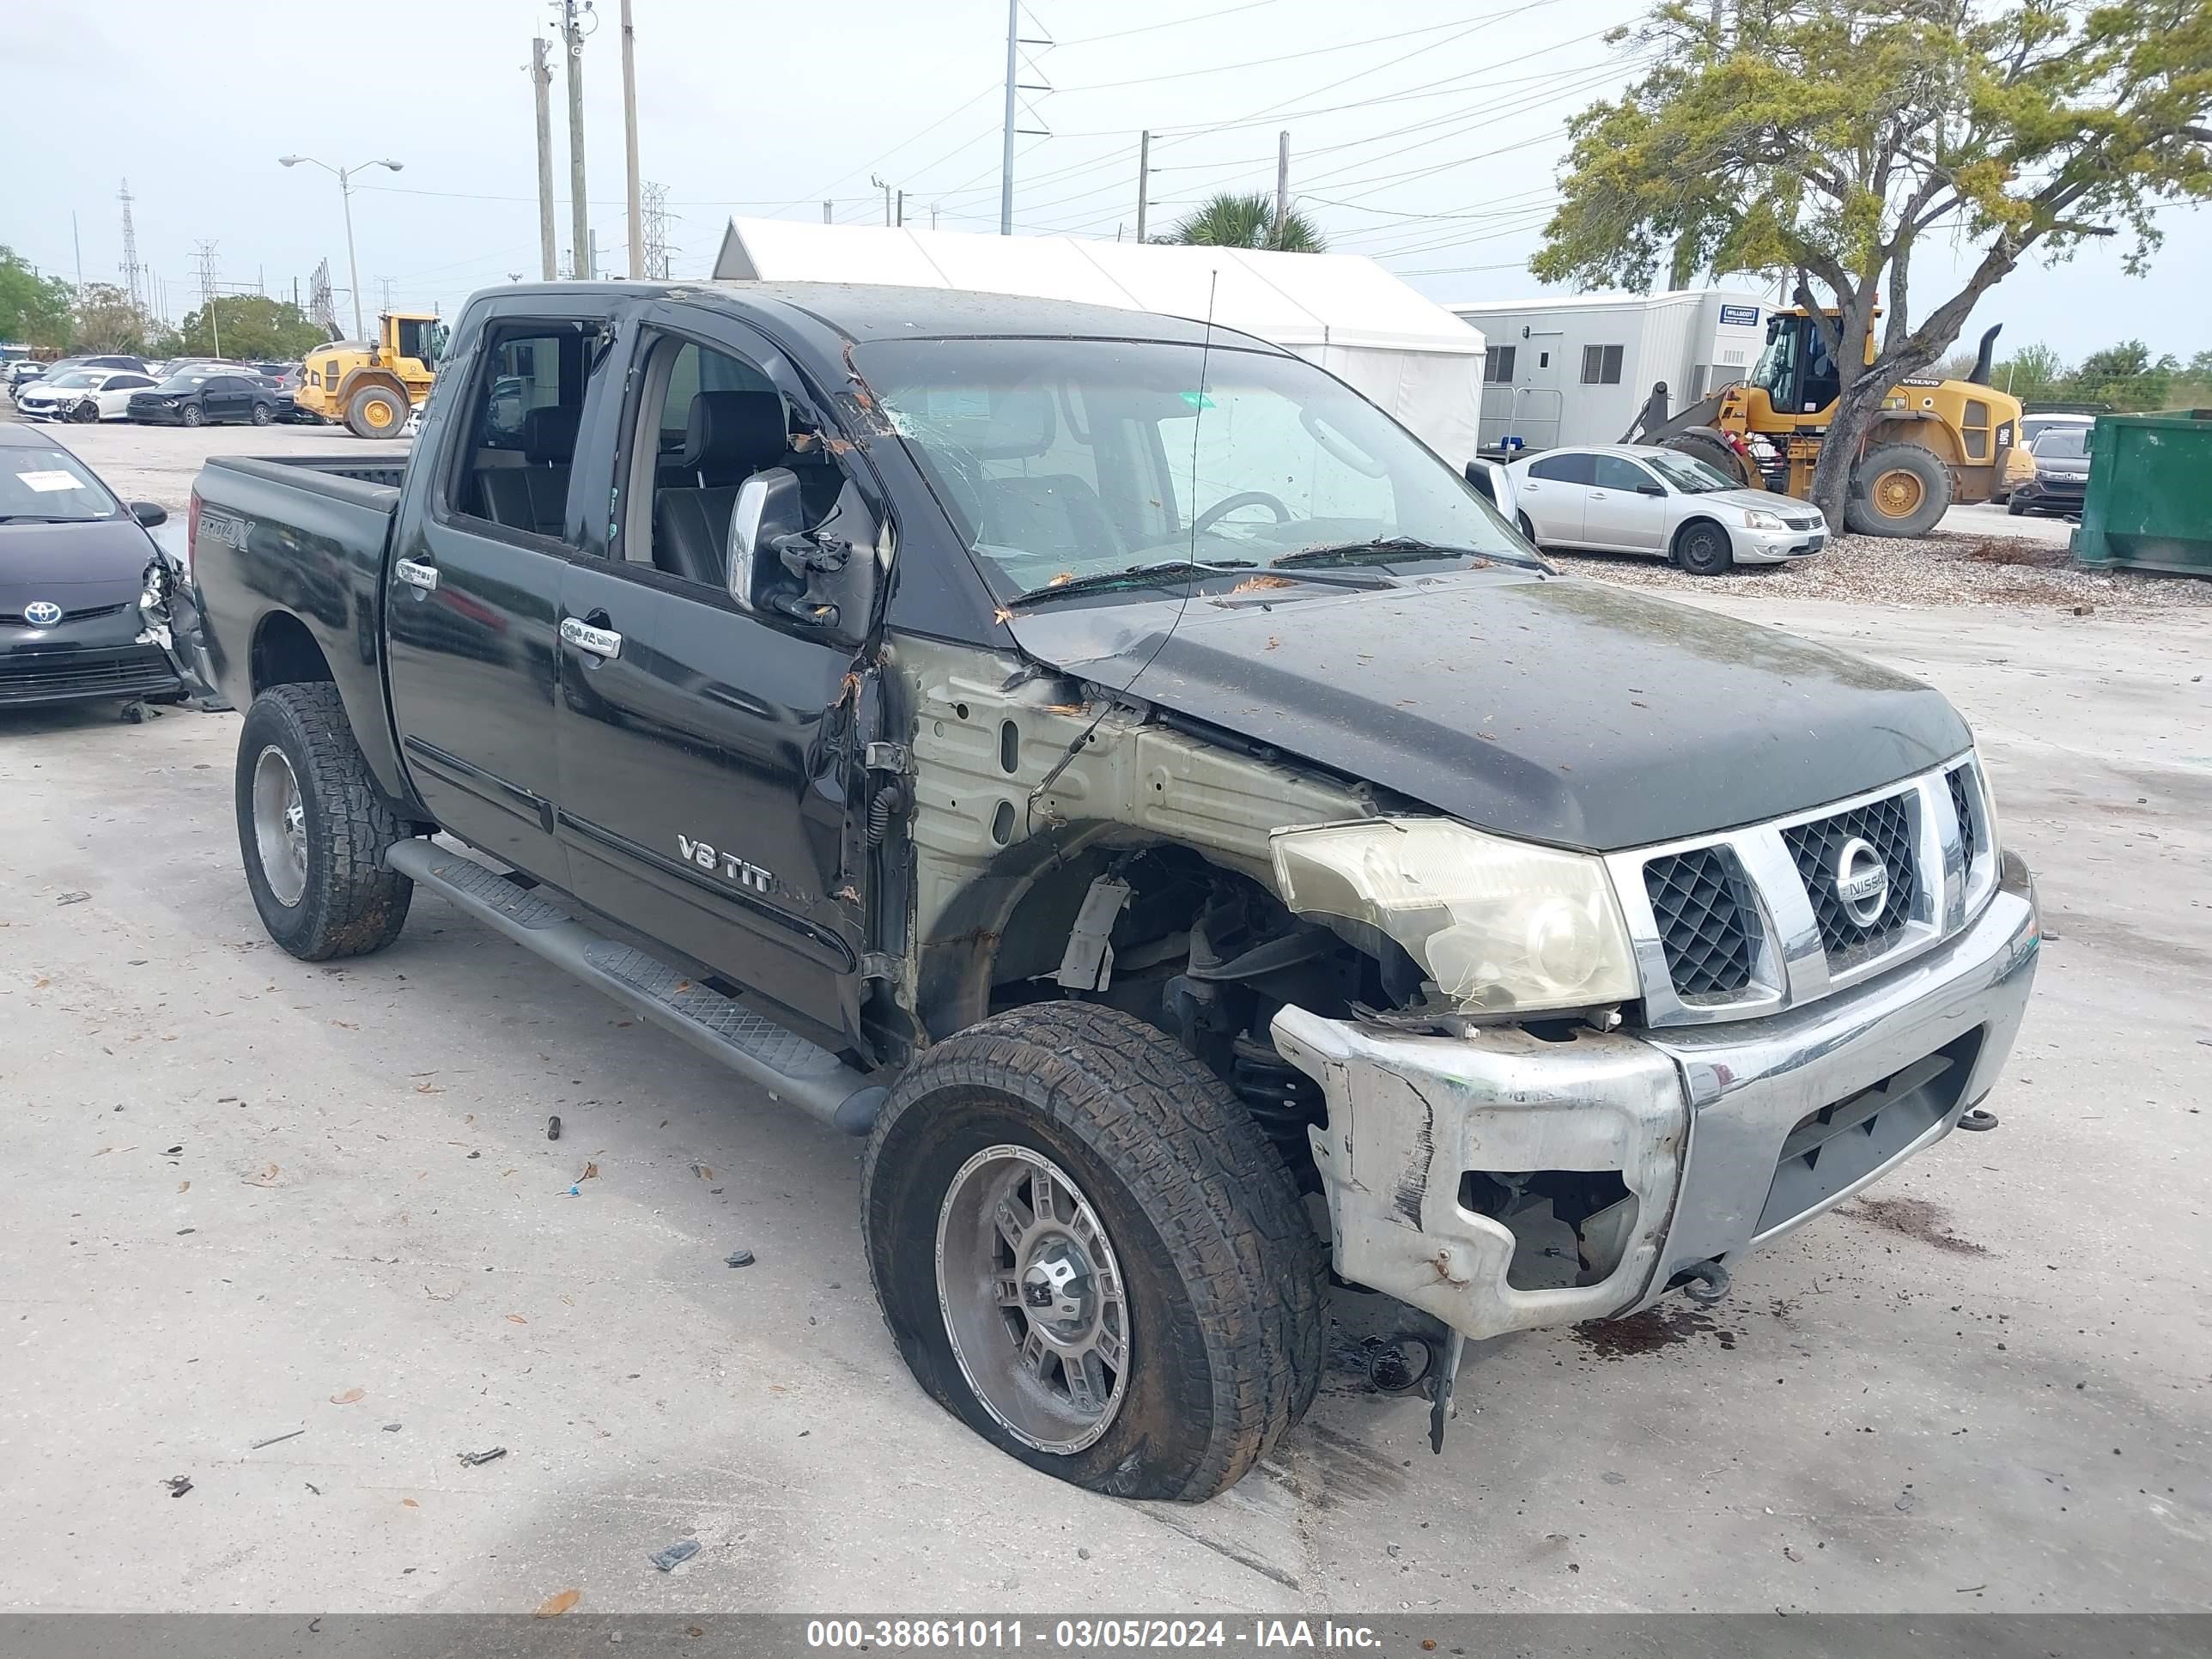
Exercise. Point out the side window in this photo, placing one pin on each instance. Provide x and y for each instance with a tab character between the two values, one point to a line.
707	421
519	423
1617	473
1601	365
1497	364
1571	468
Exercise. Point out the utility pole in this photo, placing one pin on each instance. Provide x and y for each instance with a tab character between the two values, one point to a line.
1144	177
1282	177
541	80
76	244
571	37
629	145
900	220
1007	147
825	213
886	190
933	215
592	253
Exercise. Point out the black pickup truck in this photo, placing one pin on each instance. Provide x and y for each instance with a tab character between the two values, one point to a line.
1116	769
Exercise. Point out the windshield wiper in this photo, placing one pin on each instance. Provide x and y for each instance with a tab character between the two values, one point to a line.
1383	549
1136	575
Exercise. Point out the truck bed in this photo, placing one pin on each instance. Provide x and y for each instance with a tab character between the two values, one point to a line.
292	551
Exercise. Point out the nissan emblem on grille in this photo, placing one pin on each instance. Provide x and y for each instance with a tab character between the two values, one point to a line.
1862	880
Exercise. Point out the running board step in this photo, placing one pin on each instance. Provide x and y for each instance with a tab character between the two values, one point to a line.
755	1047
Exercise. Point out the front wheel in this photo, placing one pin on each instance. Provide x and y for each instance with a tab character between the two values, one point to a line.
263	415
1704	550
313	827
2015	507
192	415
84	411
1087	1251
376	411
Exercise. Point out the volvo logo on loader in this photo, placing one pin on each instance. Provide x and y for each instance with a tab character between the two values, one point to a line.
729	865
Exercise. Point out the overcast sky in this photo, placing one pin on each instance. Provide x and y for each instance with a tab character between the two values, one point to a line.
1429	142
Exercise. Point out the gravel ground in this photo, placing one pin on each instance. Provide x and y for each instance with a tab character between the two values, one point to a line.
1945	569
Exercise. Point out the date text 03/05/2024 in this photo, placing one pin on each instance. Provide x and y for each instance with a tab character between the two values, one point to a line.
1085	1635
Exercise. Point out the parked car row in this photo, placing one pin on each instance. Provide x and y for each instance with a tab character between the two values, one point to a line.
187	392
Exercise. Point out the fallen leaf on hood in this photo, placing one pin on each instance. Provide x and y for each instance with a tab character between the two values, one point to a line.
409	1503
516	1319
428	1089
702	1172
266	1178
1253	584
591	1172
184	1186
41	984
347	1398
554	1606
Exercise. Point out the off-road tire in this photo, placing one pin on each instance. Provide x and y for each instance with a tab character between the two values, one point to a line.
1706	445
351	904
1703	548
357	412
1221	1267
1863	510
192	415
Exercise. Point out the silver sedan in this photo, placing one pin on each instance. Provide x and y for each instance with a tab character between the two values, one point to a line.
1637	498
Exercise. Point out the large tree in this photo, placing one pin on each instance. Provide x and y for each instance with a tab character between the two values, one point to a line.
35	310
1825	141
250	325
104	318
1228	220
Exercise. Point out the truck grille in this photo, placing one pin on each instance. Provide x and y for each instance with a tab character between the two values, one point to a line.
1745	922
1701	911
1884	825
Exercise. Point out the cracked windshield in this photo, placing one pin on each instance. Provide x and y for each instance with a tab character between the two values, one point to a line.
1066	461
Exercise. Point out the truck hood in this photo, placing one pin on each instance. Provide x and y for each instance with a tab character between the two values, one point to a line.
1545	707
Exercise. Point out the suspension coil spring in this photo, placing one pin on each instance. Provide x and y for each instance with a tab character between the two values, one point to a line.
1283	1100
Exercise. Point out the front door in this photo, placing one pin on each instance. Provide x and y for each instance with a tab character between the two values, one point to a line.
1618	513
703	793
471	611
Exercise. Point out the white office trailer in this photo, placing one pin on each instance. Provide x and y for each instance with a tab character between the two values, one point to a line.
1577	369
1400	349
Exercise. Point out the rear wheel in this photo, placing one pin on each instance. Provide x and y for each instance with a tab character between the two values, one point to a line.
1703	548
1898	489
1088	1252
192	415
313	827
1528	530
376	411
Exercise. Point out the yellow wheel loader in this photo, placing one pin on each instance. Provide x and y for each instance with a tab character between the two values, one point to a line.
1934	441
369	388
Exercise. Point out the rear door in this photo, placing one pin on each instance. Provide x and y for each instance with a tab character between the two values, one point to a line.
471	603
1618	513
1551	493
703	786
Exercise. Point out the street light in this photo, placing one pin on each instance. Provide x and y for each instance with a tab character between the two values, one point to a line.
345	176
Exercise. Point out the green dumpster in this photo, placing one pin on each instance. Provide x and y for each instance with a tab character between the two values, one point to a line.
2149	504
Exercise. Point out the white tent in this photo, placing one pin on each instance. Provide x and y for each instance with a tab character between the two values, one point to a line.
1405	353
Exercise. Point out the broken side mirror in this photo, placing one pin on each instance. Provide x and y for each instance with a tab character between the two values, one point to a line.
818	579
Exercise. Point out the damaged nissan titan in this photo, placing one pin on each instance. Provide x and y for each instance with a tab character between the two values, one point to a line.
1121	773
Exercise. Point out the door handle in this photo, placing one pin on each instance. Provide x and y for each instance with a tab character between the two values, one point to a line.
1597	495
423	576
593	642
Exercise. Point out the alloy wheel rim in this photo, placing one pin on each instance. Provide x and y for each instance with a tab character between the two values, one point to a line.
280	826
1033	1299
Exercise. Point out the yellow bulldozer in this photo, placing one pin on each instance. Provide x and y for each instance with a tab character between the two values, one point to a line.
368	387
1935	441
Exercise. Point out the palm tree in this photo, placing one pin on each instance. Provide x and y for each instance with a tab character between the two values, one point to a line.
1227	220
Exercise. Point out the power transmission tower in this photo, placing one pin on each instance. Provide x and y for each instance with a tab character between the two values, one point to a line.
654	213
1015	86
385	282
203	252
320	304
130	266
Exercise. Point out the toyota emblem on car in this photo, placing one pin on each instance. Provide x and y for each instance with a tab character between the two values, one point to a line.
1861	881
42	613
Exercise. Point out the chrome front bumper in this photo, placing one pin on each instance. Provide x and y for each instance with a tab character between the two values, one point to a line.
1699	1123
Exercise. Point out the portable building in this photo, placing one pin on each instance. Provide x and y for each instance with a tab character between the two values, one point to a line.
1577	369
1400	349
